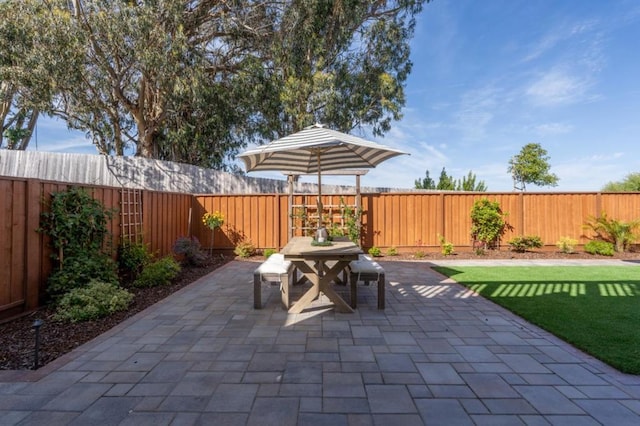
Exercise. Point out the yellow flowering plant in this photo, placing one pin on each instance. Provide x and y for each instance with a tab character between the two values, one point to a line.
213	220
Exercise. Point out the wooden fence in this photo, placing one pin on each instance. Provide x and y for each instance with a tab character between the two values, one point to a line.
414	221
407	221
25	261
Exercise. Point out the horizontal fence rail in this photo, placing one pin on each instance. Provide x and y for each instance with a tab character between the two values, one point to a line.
409	221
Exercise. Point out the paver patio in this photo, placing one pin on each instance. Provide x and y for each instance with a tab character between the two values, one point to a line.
437	354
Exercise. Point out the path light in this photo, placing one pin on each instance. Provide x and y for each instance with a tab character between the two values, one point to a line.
36	326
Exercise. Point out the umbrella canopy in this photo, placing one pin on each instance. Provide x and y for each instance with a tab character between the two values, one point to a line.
317	149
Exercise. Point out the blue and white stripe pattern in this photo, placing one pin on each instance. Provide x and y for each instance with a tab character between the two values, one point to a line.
317	147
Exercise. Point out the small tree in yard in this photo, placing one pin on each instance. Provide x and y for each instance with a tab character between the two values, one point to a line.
487	223
531	165
620	234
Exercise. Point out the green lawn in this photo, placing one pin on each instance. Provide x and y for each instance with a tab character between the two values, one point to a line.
595	308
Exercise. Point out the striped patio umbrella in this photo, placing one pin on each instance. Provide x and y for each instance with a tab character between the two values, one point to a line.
316	149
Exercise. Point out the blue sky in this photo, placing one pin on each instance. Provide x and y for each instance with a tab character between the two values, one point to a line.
490	77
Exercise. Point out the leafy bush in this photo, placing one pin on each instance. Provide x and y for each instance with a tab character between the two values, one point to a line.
419	254
600	247
96	300
522	244
392	251
446	247
76	223
268	252
245	249
620	234
79	271
133	257
191	250
487	223
566	244
160	272
375	251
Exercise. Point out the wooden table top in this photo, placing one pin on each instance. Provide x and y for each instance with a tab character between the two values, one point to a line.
300	247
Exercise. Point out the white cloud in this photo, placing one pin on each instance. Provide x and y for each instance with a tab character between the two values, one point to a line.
558	87
547	129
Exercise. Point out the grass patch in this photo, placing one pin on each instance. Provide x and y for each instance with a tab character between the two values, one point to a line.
595	308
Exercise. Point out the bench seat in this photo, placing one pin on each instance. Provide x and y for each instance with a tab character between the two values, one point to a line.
273	270
366	269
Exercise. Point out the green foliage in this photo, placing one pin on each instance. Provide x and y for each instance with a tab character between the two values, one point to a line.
531	165
195	81
603	248
76	225
425	183
191	250
523	243
351	219
566	244
631	183
75	222
78	271
468	183
96	300
487	223
375	251
245	249
392	251
133	257
448	183
268	252
446	248
158	273
419	254
620	234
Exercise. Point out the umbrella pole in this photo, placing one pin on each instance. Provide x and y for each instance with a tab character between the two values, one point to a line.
319	204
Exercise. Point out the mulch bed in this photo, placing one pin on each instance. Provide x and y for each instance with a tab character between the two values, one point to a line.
17	337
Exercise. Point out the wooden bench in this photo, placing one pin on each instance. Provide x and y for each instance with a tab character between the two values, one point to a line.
366	269
273	270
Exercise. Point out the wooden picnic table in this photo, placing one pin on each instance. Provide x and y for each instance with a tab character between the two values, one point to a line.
320	265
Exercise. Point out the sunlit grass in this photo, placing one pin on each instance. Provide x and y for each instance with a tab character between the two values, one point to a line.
595	308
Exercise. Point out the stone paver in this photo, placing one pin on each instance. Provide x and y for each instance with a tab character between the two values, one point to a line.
438	354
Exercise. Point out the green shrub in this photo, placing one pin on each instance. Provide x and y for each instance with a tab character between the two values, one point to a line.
76	223
375	251
446	247
191	249
522	244
268	252
600	247
244	249
487	223
96	300
79	271
566	244
620	234
133	257
160	272
419	254
392	251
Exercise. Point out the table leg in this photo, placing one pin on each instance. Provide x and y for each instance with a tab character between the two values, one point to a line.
321	279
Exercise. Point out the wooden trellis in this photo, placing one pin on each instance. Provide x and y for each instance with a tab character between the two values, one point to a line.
131	215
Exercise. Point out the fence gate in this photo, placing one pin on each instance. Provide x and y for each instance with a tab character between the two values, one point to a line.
131	215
